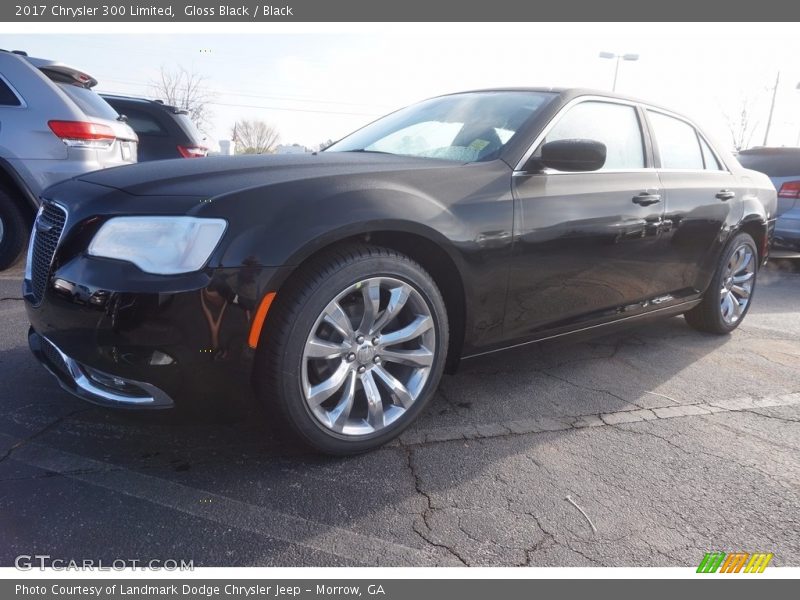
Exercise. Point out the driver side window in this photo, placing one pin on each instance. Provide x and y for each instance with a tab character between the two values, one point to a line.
615	125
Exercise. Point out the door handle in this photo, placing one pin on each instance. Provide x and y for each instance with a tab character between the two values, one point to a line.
725	195
646	199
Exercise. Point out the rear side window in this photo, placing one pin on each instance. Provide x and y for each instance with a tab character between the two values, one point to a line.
142	123
711	162
615	125
7	95
677	142
88	101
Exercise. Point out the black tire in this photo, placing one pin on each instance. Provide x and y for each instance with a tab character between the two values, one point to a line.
299	304
707	316
13	229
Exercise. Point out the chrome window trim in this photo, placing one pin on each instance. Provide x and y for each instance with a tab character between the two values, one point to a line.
559	115
698	132
601	172
22	103
519	168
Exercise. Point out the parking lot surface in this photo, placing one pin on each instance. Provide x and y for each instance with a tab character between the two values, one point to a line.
645	448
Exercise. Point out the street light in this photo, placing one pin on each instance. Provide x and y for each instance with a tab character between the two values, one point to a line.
618	57
797	143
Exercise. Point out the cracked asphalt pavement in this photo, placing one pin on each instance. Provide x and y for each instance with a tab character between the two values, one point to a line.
644	448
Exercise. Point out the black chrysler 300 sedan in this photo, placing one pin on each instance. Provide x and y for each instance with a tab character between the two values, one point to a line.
341	285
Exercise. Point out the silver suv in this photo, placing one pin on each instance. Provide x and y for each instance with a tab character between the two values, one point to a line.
52	127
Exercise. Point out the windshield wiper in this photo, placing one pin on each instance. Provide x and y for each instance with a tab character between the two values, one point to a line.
368	151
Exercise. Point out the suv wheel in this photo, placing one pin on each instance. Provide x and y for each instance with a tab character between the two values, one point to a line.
13	229
354	349
727	299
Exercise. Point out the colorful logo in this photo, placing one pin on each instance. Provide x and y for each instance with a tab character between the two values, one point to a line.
734	562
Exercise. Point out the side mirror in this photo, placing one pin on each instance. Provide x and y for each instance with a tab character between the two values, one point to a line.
573	155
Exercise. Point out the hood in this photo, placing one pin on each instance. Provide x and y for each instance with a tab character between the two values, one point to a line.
214	176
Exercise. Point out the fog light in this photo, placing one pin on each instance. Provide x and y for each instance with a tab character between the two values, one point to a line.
99	298
113	382
159	358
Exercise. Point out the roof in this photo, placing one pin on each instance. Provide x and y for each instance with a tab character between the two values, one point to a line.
772	150
568	93
77	75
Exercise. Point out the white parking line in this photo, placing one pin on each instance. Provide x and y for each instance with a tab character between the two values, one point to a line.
363	549
563	423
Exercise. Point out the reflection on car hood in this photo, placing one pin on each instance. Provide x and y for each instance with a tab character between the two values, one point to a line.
209	177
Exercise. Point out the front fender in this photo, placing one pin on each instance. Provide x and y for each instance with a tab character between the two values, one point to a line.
288	234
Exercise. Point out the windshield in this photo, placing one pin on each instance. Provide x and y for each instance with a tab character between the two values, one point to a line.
465	127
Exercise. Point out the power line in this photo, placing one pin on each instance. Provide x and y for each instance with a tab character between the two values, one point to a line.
261	96
303	110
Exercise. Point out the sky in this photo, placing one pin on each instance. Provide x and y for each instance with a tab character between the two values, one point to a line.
319	82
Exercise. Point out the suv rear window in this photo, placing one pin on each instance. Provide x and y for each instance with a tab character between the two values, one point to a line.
89	102
189	128
780	162
142	123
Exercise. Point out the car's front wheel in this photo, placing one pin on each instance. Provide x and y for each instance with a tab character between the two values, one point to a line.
728	298
354	348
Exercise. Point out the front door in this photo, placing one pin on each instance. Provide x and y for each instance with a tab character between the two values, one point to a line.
586	243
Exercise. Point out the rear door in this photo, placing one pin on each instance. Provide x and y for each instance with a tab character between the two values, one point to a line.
703	200
585	243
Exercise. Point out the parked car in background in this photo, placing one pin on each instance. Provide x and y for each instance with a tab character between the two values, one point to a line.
343	283
782	166
164	131
53	126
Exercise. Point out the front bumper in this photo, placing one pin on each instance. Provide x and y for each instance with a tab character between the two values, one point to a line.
95	386
162	342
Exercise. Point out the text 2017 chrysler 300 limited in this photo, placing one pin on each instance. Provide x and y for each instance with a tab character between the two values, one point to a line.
340	285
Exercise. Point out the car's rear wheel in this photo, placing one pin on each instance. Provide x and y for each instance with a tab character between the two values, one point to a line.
13	229
354	348
728	298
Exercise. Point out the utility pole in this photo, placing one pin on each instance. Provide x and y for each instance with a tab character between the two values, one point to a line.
772	107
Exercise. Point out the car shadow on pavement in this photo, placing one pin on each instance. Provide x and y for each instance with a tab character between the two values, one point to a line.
244	457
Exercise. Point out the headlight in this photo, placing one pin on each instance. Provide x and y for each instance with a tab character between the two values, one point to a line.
160	245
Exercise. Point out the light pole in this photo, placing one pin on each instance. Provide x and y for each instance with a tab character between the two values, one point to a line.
772	107
618	57
797	89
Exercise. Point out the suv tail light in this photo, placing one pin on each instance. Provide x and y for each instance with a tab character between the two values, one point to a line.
193	151
81	134
790	189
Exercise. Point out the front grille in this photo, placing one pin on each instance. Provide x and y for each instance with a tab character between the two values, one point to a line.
47	232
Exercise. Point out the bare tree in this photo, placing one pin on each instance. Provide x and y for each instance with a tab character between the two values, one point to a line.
187	90
741	125
253	136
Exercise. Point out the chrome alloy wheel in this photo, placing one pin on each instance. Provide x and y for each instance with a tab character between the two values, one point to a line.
368	356
737	284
